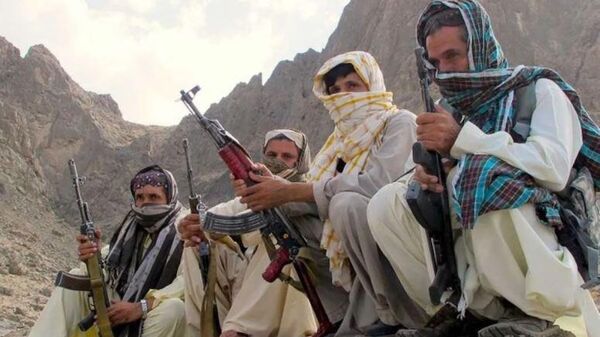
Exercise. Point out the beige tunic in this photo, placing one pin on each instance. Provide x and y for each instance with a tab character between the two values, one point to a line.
230	272
246	302
343	199
509	254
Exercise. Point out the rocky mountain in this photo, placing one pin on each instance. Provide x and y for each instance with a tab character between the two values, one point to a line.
47	118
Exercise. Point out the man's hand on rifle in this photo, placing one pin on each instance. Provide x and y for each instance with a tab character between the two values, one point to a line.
428	181
437	131
268	192
121	312
86	248
191	231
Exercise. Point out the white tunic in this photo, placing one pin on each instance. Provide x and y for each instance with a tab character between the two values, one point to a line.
509	253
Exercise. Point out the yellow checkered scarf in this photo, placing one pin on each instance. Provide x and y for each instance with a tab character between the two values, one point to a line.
359	119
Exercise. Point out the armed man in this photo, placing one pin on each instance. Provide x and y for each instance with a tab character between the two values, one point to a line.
249	305
506	214
370	147
140	266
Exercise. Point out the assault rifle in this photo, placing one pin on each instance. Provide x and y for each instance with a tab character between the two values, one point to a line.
431	209
95	282
210	322
274	220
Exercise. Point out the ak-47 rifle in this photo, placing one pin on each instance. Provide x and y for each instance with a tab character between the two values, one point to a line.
431	209
210	322
95	282
276	223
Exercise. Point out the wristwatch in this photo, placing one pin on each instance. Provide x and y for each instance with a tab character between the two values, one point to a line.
144	305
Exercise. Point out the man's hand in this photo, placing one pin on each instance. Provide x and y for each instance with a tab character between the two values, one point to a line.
268	192
121	312
88	249
428	181
437	131
190	229
239	185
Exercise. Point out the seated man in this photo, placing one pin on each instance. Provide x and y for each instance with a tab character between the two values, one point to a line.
511	266
248	305
369	147
141	264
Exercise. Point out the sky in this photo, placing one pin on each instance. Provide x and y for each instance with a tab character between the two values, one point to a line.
142	52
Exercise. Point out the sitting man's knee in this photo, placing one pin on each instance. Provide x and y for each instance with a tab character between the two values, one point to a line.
383	207
348	213
171	311
346	200
347	207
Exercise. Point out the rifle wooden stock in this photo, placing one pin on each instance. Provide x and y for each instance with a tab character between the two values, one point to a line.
99	295
282	259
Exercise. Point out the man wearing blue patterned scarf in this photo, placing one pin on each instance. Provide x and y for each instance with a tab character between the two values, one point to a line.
503	189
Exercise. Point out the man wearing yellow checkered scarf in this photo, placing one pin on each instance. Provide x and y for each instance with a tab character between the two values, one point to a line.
369	148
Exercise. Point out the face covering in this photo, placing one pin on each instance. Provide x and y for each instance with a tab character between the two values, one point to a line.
275	165
150	214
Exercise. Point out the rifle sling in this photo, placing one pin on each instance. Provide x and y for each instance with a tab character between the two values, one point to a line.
209	323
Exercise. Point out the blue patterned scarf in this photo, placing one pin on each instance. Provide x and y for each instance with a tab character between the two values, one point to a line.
484	96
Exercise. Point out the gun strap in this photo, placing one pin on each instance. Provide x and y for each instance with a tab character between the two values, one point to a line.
207	315
233	225
526	102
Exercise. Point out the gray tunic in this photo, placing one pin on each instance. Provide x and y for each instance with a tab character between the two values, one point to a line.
376	293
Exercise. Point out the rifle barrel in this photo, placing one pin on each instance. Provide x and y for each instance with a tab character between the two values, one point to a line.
190	172
424	79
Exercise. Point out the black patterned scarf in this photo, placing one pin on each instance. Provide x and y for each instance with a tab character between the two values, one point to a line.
134	269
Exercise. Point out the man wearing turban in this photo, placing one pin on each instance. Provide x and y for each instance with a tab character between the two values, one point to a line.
141	265
503	189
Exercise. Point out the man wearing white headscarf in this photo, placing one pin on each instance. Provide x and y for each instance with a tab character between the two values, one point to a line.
249	305
369	148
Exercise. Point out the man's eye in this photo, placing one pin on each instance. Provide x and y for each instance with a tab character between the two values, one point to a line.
334	90
271	155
